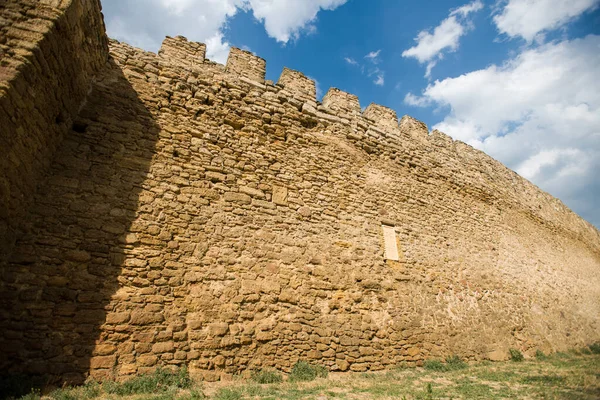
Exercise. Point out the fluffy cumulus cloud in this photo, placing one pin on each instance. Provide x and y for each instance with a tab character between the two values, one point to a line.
538	113
145	23
529	19
286	19
445	37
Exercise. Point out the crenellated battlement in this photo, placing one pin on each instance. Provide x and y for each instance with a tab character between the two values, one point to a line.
245	64
440	139
295	86
298	85
412	127
381	115
341	102
181	51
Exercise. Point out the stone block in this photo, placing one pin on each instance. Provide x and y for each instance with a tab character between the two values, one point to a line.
497	355
218	328
116	318
147	360
237	197
145	318
100	362
163	347
280	195
343	365
104	349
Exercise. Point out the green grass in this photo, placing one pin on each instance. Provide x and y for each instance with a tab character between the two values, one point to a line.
544	379
560	376
161	381
434	365
516	355
266	376
229	394
455	362
304	372
162	384
452	363
540	355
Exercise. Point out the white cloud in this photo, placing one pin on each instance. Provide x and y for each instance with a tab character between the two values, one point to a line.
179	7
373	56
528	18
369	67
198	20
538	113
533	166
286	19
217	49
373	71
429	45
416	101
468	8
445	36
205	20
119	28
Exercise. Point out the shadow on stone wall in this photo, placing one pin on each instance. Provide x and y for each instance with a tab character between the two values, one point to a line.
57	286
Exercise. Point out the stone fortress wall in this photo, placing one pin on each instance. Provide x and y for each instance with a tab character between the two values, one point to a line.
190	213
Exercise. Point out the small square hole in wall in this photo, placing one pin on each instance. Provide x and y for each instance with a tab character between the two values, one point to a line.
390	243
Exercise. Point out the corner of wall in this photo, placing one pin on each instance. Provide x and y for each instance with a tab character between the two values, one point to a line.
56	49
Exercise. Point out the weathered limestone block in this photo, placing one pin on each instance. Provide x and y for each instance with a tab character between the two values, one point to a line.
280	195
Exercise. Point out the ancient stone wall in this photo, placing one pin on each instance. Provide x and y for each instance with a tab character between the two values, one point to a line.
207	218
49	53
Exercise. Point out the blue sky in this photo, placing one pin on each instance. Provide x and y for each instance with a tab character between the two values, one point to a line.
518	79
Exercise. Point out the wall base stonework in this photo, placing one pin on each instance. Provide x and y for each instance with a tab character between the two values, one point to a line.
195	216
